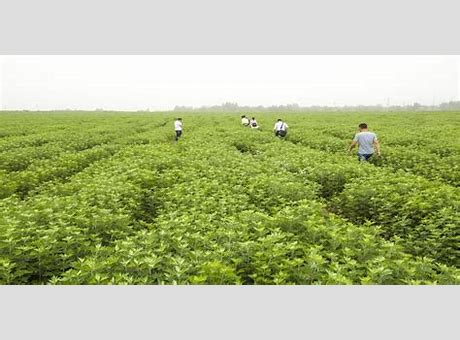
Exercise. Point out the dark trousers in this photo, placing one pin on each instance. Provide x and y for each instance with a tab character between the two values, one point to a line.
280	133
364	157
178	134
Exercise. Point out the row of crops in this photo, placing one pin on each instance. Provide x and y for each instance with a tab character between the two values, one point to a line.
110	198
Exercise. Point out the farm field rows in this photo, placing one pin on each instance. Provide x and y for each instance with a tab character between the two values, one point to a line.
110	198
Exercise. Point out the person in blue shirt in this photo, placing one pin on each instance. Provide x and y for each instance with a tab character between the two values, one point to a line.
367	141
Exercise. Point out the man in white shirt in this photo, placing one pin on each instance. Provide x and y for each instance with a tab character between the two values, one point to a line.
366	141
280	128
178	128
244	120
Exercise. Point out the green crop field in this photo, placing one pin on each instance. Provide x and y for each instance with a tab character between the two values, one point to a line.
111	198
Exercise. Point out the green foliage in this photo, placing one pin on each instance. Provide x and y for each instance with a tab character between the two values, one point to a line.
110	198
425	217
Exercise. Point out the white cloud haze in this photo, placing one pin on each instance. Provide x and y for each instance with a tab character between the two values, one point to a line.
161	82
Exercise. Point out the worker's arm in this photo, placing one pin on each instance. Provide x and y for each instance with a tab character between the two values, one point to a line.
377	146
352	146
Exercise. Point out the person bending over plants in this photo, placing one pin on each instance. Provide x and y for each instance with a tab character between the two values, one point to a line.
280	128
253	123
244	121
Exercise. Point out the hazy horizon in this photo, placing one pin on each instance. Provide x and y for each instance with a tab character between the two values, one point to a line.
130	83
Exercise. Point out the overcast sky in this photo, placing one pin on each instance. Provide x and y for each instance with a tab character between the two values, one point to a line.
161	82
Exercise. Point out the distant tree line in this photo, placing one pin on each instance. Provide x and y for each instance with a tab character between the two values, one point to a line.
234	107
229	107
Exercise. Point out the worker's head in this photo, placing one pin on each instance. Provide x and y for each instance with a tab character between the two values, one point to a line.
362	127
253	118
279	120
243	116
179	118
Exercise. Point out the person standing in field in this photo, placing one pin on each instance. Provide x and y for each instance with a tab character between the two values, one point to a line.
244	120
253	123
178	128
366	141
280	128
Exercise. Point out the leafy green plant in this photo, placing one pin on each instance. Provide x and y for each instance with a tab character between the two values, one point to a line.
109	198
